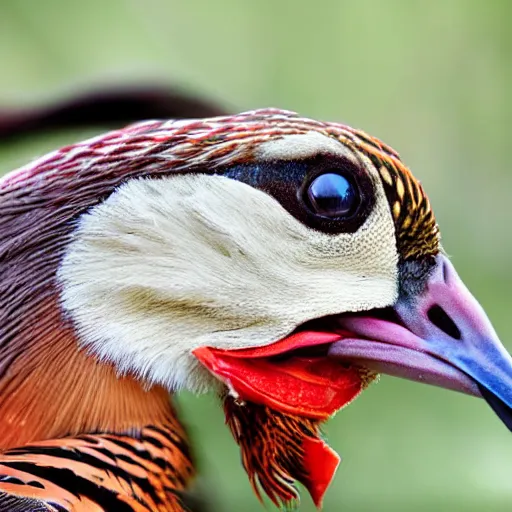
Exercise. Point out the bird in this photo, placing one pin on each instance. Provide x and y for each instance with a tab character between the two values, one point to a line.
278	261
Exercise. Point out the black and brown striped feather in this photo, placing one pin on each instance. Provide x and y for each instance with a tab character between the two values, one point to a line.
98	472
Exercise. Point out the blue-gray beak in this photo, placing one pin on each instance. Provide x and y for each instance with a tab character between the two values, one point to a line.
442	337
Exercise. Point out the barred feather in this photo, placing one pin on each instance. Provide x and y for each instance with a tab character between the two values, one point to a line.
98	472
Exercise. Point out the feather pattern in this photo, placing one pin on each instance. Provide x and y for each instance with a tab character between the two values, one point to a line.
126	473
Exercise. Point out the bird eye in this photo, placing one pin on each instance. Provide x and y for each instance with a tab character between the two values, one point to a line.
333	195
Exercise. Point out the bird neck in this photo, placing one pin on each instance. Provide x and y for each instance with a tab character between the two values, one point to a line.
49	388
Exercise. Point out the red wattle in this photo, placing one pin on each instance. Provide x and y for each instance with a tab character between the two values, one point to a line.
314	387
322	462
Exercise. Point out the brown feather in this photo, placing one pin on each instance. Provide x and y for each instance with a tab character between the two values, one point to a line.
272	448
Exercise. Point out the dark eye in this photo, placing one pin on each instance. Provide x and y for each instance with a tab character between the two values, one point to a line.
333	195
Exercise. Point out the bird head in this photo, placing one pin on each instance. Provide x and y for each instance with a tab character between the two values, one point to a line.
279	261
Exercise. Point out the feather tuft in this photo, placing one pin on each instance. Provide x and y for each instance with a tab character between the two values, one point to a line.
279	449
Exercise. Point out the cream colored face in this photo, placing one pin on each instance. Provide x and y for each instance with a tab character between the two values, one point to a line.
166	265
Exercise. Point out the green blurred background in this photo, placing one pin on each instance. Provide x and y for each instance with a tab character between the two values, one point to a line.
432	79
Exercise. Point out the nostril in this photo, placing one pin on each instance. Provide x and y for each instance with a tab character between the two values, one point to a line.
437	315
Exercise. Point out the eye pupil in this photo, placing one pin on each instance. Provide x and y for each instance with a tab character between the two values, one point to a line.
332	195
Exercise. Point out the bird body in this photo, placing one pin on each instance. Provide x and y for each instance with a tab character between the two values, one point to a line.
257	255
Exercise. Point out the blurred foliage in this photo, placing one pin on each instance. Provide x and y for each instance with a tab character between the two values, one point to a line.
433	79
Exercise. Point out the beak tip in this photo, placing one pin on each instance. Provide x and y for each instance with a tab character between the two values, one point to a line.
503	411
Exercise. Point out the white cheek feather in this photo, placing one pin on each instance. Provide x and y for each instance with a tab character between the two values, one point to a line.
167	265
